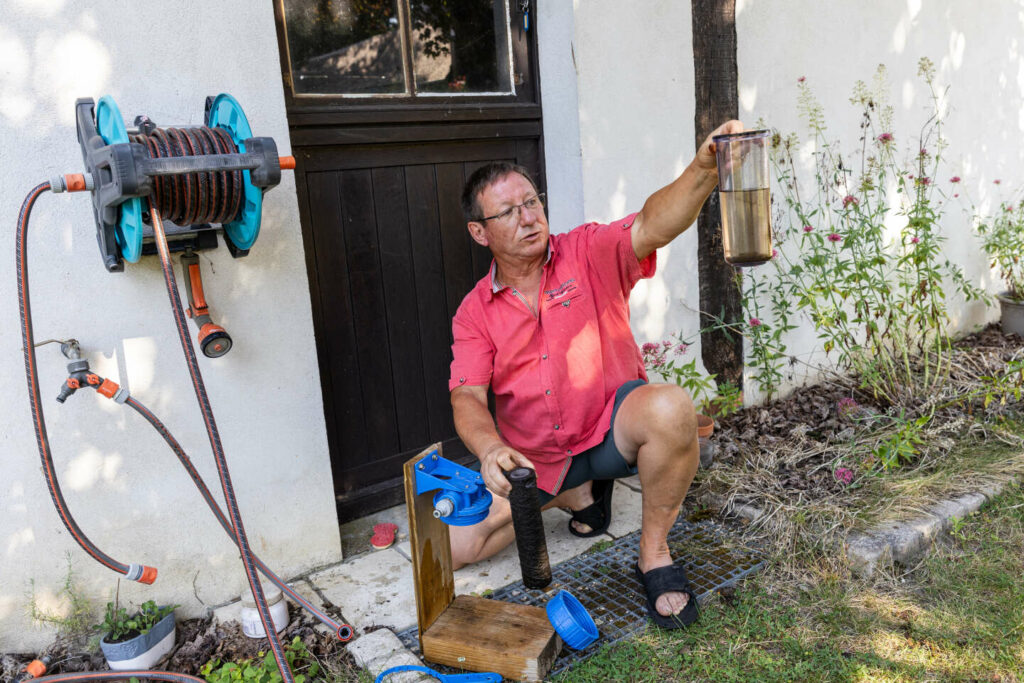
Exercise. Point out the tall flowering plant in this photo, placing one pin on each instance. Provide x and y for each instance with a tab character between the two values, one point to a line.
861	250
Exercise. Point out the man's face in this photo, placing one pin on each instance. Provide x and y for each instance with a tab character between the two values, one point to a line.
524	234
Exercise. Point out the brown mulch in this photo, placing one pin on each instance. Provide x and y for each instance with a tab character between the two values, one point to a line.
813	421
197	642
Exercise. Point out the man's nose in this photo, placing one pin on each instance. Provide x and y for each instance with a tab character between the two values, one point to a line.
523	217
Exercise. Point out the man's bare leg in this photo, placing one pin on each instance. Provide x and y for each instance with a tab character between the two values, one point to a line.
656	429
478	542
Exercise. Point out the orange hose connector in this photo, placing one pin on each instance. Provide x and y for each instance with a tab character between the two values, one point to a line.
287	163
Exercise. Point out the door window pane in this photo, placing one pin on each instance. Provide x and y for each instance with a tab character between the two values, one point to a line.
460	46
344	46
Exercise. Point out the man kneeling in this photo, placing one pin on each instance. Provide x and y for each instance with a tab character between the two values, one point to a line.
548	331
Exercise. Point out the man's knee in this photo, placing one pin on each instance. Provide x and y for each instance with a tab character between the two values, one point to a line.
671	413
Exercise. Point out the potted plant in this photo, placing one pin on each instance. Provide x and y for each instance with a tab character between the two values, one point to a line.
139	640
1002	238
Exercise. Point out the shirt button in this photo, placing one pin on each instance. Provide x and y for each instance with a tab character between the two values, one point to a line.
569	451
566	304
462	380
547	392
544	357
558	426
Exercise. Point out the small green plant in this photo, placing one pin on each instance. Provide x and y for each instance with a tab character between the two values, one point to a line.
76	619
120	626
264	670
667	360
1002	238
956	528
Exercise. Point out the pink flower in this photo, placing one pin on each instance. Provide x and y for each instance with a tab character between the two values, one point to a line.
955	179
847	406
681	348
775	252
801	79
923	152
754	322
885	137
835	237
997	181
850	199
844	475
666	344
924	180
915	239
808	228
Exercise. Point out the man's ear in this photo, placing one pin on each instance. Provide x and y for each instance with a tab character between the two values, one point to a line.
477	232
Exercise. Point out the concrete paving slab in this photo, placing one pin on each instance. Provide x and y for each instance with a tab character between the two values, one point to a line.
632	482
356	535
503	568
371	590
626	510
381	650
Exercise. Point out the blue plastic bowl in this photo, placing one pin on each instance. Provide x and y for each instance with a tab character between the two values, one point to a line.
571	620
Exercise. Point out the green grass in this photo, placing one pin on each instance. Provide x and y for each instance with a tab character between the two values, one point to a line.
958	616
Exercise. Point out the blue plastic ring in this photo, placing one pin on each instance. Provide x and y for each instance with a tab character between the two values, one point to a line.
571	620
226	113
128	232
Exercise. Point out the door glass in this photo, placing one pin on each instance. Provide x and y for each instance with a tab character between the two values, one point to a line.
460	46
345	46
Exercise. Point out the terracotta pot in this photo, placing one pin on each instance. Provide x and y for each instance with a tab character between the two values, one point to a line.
705	426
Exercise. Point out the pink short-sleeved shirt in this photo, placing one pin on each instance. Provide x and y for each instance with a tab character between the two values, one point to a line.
554	375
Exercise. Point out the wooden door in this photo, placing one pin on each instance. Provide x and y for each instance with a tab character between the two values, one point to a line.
383	146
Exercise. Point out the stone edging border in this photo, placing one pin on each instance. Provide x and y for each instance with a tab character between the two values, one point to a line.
903	542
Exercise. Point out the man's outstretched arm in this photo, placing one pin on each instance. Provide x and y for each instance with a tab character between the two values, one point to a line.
475	425
674	208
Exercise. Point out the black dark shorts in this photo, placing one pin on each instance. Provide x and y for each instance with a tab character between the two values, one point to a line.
603	461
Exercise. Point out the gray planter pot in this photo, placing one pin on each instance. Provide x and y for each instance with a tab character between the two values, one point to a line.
142	651
1012	319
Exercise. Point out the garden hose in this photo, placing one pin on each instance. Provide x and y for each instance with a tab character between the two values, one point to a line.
79	376
142	674
344	632
135	572
218	450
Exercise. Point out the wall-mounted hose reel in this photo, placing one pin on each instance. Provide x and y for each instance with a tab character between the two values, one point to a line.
205	179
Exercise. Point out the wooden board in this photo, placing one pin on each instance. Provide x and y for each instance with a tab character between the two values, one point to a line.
430	549
516	641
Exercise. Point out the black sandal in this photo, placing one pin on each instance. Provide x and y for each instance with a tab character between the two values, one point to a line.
671	579
597	515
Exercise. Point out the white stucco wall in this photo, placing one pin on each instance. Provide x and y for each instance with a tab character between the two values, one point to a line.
632	75
977	54
631	70
125	487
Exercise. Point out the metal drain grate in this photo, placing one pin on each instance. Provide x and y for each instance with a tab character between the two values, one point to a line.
606	585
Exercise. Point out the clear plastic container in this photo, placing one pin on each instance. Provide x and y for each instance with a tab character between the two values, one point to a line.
745	197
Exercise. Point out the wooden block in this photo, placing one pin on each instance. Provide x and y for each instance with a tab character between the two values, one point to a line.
430	549
516	641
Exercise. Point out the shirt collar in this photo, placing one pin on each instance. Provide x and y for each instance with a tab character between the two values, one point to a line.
497	286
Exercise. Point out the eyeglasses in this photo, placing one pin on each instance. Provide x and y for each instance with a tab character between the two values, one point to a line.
510	215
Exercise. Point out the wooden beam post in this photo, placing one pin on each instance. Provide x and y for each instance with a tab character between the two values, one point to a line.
717	100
